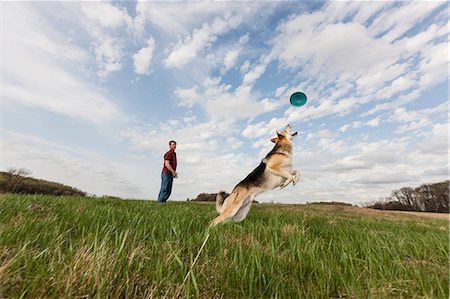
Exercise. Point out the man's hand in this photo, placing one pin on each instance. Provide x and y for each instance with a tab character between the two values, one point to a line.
169	167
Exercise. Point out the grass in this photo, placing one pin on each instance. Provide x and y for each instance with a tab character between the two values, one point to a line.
79	247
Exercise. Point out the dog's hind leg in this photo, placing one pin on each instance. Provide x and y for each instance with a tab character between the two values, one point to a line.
226	216
243	211
219	201
231	206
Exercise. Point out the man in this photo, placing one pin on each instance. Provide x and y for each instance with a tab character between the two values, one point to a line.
168	172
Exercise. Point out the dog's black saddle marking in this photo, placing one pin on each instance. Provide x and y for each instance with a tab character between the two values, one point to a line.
255	178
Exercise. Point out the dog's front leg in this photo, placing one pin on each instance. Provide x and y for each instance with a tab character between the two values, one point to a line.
282	173
296	175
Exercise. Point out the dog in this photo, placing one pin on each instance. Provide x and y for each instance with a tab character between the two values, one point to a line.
275	170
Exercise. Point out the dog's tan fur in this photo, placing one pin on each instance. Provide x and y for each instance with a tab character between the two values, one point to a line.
275	170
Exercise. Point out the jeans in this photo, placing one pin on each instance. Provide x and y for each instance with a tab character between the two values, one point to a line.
166	186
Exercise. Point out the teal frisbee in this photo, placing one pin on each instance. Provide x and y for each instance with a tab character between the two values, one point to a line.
298	99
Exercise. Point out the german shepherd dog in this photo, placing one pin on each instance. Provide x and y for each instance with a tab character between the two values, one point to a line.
275	170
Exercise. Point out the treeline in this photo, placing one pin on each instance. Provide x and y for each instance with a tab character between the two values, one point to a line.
18	181
210	197
426	198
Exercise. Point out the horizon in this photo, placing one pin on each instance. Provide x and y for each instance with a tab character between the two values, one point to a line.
92	92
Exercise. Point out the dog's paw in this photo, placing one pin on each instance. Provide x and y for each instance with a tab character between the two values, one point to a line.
296	175
285	183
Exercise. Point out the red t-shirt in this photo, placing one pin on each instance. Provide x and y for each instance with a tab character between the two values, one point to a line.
172	157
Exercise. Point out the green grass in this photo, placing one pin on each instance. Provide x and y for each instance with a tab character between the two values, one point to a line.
79	247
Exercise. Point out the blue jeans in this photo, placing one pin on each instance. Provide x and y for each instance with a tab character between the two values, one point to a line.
166	186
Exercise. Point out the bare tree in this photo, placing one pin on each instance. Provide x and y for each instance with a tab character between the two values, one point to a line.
14	178
427	198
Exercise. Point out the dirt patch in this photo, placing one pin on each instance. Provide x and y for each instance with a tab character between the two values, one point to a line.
384	213
443	216
337	208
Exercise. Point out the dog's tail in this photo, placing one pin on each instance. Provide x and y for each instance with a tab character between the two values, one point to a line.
219	201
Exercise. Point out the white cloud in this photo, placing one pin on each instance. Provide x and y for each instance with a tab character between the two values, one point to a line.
374	122
47	76
417	42
175	19
348	164
398	85
399	20
344	128
78	166
436	142
358	63
106	24
256	72
185	51
143	58
233	142
189	96
108	54
399	102
231	58
385	178
337	47
434	65
413	120
379	75
106	14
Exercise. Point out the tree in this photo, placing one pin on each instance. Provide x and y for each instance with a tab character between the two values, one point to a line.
15	178
426	198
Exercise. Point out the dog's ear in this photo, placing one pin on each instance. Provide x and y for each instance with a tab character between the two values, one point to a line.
274	140
280	136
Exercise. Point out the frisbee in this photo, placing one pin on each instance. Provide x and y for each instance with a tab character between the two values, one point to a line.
298	99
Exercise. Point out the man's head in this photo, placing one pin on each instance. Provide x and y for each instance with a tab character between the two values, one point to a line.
172	145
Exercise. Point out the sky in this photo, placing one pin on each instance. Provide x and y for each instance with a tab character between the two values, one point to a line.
92	92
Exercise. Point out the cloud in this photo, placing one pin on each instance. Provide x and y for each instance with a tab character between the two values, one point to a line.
338	47
108	54
334	49
42	69
348	164
143	58
399	102
414	120
380	178
434	65
398	20
256	72
78	166
185	51
220	102
374	122
188	96
175	19
362	67
106	24
436	141
231	59
260	129
106	14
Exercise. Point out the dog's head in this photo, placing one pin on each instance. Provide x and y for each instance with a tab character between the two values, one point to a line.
285	135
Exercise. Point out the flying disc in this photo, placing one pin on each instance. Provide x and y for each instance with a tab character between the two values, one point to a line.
298	99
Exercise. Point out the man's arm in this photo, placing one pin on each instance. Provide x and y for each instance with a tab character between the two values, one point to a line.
169	167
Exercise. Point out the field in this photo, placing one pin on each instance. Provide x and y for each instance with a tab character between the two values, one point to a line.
81	247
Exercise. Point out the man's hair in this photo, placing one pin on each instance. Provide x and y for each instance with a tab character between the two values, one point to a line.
170	142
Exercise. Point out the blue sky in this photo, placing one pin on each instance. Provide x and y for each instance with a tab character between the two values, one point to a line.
93	91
